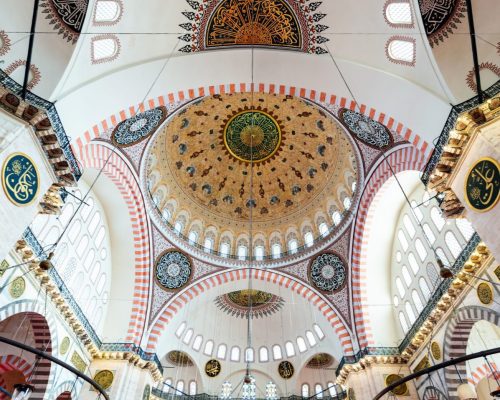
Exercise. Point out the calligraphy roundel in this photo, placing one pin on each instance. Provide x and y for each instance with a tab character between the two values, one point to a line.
20	179
212	368
104	378
285	369
482	185
173	269
370	132
328	272
139	127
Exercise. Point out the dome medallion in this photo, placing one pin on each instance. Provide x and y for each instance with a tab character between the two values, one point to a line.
252	136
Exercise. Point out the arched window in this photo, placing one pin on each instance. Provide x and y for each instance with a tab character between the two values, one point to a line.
424	288
416	210
180	387
99	238
305	390
421	251
242	252
332	389
428	232
301	344
319	391
465	228
276	250
441	254
94	273
417	301
308	239
398	256
66	214
197	342
221	351
101	283
235	353
410	313
290	350
192	237
323	229
249	355
401	50
400	287
263	354
292	246
452	244
178	227
107	12
224	249
104	48
277	354
209	348
319	331
259	252
409	226
353	186
208	244
402	240
87	208
347	203
192	388
437	218
310	338
402	321
396	301
94	222
336	217
188	336
82	246
413	263
166	386
180	329
74	231
406	275
166	214
398	13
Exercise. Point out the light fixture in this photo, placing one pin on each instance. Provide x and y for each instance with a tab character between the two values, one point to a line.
466	392
444	271
22	391
271	392
227	389
249	388
46	264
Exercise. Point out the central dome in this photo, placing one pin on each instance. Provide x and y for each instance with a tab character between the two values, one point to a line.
223	160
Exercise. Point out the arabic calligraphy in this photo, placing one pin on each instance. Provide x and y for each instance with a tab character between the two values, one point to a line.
482	185
285	369
20	179
212	368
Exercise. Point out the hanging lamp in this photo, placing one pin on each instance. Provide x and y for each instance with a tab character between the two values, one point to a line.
22	391
466	392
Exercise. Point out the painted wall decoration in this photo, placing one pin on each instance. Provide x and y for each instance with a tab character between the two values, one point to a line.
139	127
441	18
179	358
401	390
4	43
78	362
146	393
288	24
104	378
237	303
20	179
370	132
320	361
212	368
328	272
485	293
172	270
482	185
34	77
436	351
285	369
64	346
65	16
470	79
17	287
423	363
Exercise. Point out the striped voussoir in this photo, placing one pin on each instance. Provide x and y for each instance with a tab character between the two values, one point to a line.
287	282
141	233
484	371
66	390
44	334
94	155
455	343
64	396
404	159
12	362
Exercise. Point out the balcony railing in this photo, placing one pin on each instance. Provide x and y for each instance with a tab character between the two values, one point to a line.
203	396
33	242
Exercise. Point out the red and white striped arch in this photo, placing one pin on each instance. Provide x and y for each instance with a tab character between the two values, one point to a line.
94	155
133	196
404	159
484	371
273	277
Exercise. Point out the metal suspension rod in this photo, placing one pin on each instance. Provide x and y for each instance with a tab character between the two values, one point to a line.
472	33
46	356
436	367
30	50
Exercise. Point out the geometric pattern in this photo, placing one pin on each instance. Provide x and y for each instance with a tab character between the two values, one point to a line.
288	24
328	272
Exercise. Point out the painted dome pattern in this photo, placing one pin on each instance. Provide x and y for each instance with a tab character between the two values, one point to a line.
173	270
328	272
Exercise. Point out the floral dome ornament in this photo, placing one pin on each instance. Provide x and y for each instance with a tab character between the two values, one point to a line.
139	127
370	132
328	272
173	270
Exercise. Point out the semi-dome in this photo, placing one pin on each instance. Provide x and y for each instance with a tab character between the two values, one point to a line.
226	165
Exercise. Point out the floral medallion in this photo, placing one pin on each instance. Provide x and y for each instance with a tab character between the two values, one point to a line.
484	293
238	303
328	272
139	127
17	287
370	132
173	270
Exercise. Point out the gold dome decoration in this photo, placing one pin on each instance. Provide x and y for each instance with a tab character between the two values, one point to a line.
304	164
436	351
401	390
104	378
179	358
484	293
